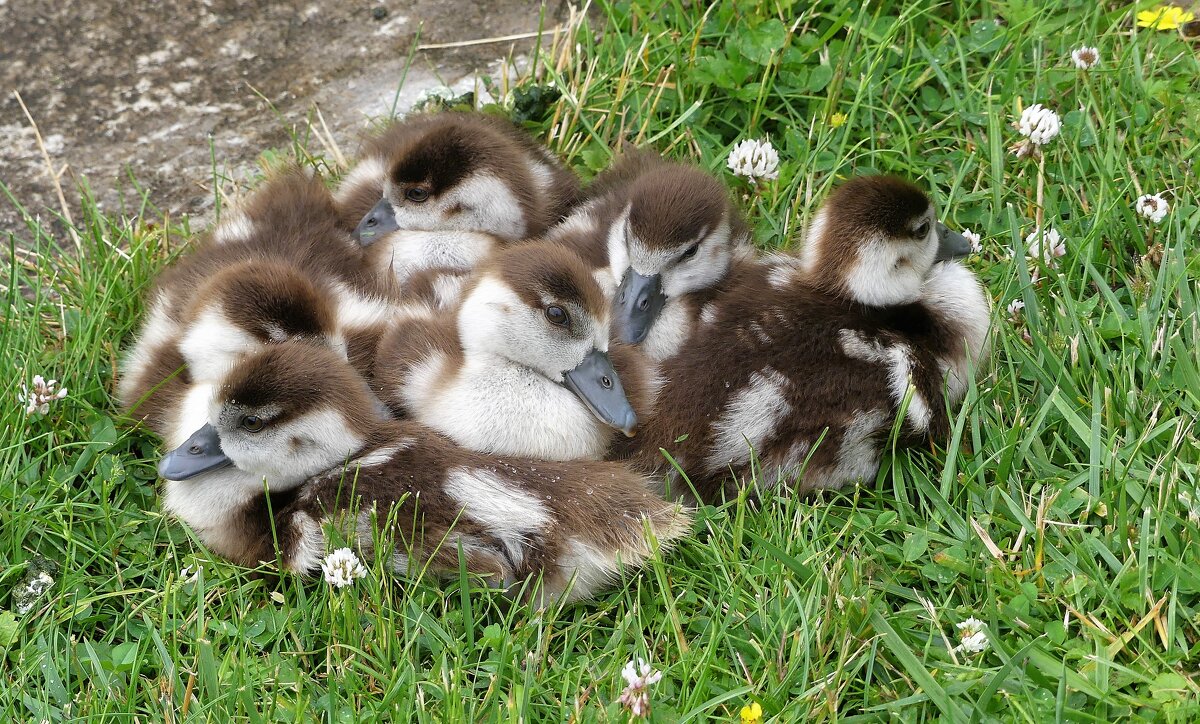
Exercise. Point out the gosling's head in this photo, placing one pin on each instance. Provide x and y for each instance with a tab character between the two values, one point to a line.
537	305
875	240
676	236
250	304
460	173
285	413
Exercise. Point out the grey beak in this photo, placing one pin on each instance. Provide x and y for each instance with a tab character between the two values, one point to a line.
198	454
951	244
638	303
380	220
596	383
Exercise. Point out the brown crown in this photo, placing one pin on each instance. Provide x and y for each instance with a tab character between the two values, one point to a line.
671	205
542	269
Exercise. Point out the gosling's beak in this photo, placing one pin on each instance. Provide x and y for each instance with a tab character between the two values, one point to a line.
596	383
380	220
951	244
638	303
198	454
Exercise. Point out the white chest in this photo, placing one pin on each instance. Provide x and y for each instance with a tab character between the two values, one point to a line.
506	409
669	332
412	251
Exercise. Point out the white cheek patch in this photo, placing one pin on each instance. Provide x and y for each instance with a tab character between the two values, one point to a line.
212	344
898	360
371	171
489	205
749	420
876	280
483	314
506	511
234	227
706	269
298	449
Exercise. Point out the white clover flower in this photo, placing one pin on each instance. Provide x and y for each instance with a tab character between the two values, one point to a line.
638	679
342	568
754	160
975	239
39	398
1085	58
1040	125
1152	206
970	633
1015	308
26	597
188	574
1045	245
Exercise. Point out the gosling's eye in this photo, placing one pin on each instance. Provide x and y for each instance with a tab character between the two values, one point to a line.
556	315
416	194
921	229
252	423
691	251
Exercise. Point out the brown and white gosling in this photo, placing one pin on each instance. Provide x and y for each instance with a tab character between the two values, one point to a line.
444	190
665	235
283	271
297	416
872	317
520	367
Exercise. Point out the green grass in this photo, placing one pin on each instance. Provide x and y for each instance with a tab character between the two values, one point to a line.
1064	512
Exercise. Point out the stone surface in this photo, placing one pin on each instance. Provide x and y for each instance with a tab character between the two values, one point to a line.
148	100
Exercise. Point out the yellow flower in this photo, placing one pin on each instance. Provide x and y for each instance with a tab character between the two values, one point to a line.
752	713
1164	17
838	120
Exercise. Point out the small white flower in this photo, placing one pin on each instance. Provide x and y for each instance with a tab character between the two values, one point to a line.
342	568
1045	245
1086	57
975	240
638	679
39	398
1015	307
29	595
754	160
1152	206
970	633
188	574
1040	125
